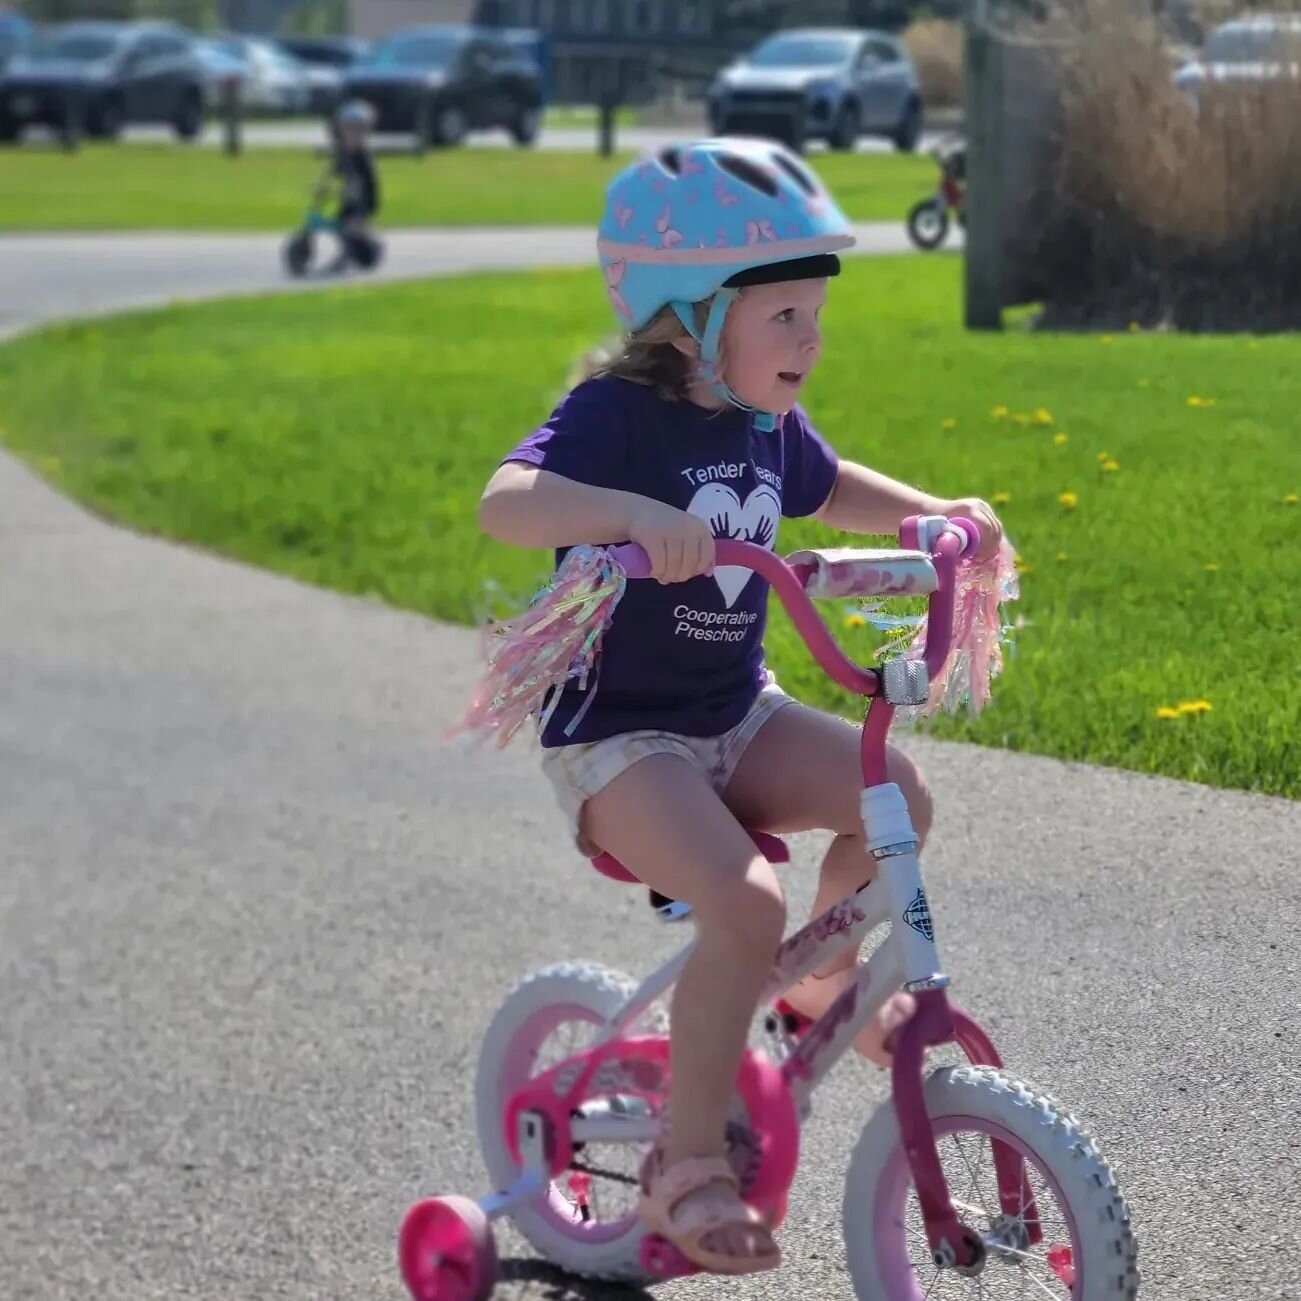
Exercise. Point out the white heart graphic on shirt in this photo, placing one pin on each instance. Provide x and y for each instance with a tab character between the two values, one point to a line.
756	521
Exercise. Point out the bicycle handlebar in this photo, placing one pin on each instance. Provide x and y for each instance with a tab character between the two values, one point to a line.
788	582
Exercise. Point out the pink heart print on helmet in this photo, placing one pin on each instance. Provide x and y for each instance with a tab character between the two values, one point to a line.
705	217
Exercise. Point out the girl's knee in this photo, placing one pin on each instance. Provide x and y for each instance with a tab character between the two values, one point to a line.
746	907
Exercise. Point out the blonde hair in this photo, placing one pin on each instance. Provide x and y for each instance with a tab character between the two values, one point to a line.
649	356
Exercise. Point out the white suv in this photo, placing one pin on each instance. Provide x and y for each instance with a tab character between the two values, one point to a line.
1246	51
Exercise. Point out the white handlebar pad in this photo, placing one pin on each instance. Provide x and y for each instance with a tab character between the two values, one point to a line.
854	571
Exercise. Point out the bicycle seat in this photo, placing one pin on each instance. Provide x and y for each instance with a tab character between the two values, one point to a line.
773	848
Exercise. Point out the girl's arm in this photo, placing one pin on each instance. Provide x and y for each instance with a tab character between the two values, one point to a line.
528	507
863	501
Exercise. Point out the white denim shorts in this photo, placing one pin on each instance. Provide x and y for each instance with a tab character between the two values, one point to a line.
577	772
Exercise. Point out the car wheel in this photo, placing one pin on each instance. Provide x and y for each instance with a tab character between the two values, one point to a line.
526	127
188	121
845	132
907	135
449	124
106	119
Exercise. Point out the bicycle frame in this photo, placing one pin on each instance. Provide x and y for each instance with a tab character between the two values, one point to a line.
908	958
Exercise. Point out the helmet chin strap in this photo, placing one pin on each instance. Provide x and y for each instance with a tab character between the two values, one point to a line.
764	421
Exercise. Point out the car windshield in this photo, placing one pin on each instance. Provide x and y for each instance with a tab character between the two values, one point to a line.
416	51
801	52
76	47
1251	44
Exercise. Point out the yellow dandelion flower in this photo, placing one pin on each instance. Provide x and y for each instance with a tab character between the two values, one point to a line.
1133	327
1290	499
1042	416
1164	711
1194	706
1103	456
854	621
999	412
1060	440
948	423
1000	498
1106	338
1024	567
1195	401
1068	499
1109	464
1061	555
1210	566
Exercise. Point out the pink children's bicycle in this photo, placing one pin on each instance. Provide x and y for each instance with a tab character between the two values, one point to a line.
966	1182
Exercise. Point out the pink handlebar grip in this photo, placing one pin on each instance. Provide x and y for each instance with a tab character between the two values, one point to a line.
972	532
632	560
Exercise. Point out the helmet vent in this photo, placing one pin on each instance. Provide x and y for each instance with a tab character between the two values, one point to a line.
671	160
744	170
796	173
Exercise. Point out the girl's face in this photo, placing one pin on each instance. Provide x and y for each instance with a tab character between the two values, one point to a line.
771	341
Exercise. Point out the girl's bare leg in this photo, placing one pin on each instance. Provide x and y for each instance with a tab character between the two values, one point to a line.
663	821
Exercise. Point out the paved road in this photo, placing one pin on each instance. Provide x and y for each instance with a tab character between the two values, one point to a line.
256	913
50	276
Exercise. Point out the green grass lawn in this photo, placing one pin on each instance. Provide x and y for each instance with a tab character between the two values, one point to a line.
344	438
169	187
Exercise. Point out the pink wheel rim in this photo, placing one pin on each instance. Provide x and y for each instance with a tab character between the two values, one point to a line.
761	1087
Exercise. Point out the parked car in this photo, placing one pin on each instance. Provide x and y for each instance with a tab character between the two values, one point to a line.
274	81
219	66
324	60
444	81
111	73
16	35
1245	52
834	84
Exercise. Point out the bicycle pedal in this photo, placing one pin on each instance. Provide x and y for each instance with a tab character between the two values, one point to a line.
669	910
794	1023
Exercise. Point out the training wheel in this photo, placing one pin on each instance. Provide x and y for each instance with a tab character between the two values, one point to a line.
446	1251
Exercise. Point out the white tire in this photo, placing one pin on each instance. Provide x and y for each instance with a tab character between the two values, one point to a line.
878	1189
564	993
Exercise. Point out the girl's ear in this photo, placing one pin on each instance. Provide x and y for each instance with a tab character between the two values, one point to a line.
687	346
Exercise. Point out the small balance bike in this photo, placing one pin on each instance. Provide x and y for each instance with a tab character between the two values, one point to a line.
965	1182
364	251
929	218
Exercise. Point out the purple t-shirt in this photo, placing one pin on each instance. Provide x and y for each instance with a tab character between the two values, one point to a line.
683	657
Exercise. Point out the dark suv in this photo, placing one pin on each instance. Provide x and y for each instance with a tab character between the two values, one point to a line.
440	82
108	74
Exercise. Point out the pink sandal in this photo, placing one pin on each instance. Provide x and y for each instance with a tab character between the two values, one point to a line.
663	1190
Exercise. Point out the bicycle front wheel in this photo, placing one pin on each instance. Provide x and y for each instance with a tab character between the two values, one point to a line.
1085	1251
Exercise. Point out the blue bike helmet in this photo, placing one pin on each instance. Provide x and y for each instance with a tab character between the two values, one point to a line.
707	218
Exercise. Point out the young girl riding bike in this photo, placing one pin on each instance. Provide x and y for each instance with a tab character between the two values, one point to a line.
716	258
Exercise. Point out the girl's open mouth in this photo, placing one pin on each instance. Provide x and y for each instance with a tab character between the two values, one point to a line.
791	376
